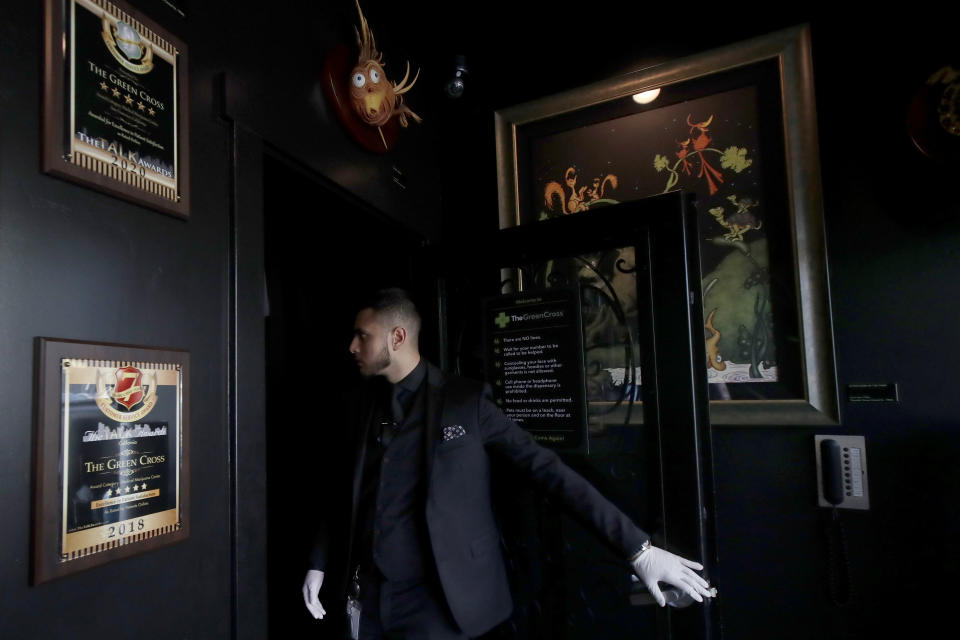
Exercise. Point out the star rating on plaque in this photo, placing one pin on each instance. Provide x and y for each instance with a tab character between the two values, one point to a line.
116	92
128	99
141	106
151	111
103	86
120	491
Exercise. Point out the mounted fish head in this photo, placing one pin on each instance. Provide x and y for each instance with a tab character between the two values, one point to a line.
371	94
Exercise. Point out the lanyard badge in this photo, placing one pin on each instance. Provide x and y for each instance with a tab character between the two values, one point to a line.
353	605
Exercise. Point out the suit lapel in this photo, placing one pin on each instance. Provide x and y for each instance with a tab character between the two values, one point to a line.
435	395
368	414
365	426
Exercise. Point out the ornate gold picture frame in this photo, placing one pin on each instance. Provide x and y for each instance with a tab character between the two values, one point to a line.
756	173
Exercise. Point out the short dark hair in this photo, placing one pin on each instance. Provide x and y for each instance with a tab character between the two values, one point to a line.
396	304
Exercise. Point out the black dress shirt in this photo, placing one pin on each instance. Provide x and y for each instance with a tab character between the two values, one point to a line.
392	495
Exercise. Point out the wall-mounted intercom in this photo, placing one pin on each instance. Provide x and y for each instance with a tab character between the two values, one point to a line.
842	472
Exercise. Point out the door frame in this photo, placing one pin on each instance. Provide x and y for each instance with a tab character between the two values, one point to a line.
663	230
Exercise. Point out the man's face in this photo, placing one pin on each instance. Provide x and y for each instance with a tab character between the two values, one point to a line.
369	344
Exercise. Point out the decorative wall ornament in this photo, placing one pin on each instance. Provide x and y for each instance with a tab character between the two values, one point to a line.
933	121
367	103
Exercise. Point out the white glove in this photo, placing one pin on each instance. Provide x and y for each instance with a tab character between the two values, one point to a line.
311	587
658	565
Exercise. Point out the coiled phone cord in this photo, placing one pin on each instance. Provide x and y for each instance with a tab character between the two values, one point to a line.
838	561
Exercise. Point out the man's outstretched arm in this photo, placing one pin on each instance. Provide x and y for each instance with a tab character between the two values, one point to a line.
651	564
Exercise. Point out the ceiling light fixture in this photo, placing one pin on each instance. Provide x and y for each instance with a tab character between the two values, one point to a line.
646	97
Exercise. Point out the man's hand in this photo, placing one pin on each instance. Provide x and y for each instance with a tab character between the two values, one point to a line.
311	587
658	565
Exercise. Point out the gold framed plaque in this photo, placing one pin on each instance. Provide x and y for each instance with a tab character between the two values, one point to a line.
111	468
115	104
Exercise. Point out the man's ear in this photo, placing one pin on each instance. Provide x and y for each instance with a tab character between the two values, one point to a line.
397	337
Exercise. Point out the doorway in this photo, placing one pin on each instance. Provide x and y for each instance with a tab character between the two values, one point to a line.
323	251
645	441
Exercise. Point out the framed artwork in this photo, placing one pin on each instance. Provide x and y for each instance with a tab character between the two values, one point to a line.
737	127
111	453
115	102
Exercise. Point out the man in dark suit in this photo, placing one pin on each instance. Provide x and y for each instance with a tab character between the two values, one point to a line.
424	540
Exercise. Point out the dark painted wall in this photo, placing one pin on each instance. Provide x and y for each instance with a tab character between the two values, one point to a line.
893	235
81	265
78	264
893	232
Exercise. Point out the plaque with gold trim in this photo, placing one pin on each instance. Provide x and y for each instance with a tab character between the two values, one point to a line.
115	103
111	478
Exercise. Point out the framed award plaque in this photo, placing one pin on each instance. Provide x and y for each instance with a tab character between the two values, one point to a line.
115	104
111	474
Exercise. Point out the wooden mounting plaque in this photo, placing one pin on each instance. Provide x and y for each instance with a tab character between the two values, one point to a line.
111	453
115	104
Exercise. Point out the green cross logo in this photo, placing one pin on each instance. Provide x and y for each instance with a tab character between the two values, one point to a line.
501	320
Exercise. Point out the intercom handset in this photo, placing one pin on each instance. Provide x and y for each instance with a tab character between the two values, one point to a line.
842	472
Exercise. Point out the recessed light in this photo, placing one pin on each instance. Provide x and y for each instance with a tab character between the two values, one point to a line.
646	97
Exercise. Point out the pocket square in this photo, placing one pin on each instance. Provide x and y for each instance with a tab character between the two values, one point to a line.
452	432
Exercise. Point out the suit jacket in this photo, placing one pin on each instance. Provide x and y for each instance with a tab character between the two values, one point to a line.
464	535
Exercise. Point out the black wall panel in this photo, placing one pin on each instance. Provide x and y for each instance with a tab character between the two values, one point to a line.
78	264
893	236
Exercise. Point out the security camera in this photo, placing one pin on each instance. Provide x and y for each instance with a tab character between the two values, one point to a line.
456	85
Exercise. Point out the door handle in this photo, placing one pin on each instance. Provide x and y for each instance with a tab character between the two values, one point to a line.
640	596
